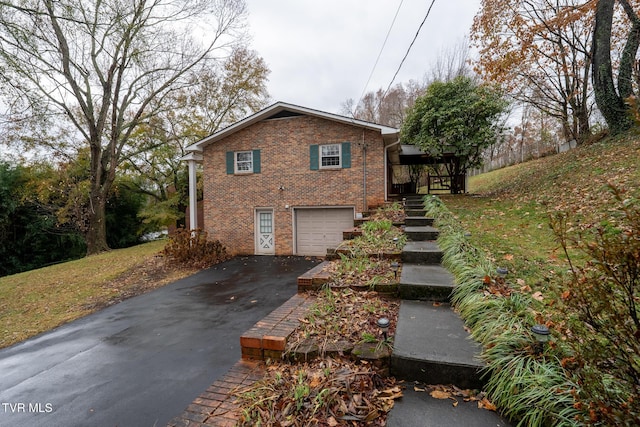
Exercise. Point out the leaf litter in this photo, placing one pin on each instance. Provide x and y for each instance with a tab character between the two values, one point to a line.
334	389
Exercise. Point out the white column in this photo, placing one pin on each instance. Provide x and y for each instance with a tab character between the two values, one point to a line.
193	195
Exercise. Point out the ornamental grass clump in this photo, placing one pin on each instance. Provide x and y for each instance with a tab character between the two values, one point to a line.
529	388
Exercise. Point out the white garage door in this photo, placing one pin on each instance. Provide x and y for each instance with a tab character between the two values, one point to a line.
320	228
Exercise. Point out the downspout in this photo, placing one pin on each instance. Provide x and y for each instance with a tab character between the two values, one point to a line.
386	169
364	174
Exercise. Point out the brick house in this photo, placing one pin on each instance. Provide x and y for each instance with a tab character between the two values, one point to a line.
288	180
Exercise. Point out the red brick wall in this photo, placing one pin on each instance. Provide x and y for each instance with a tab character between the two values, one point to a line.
230	200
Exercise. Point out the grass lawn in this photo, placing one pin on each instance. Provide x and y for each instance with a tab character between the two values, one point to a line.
37	301
508	210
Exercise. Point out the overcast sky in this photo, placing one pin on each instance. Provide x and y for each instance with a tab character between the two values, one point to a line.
321	53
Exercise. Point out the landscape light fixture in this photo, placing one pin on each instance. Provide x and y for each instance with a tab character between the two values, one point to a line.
502	272
383	323
394	268
541	334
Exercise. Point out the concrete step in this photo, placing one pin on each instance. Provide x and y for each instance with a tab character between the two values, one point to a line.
425	282
417	221
414	203
414	212
421	233
432	346
418	408
427	252
413	196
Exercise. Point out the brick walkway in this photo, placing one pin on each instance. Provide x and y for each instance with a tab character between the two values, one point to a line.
216	406
266	339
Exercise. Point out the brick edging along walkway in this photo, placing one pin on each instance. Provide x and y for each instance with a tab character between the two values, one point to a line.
266	339
216	407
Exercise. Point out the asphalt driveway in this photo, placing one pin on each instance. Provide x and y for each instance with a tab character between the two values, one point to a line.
141	362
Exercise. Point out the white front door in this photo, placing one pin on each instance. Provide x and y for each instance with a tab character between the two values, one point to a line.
265	239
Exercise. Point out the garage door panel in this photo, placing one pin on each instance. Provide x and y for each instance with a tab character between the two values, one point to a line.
321	228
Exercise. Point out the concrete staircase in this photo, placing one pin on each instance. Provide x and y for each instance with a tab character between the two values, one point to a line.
431	344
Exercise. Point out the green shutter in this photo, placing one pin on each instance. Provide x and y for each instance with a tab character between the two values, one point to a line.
346	154
313	157
256	161
230	162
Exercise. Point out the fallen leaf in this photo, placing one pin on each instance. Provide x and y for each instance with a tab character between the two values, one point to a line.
485	404
537	296
508	257
438	394
332	422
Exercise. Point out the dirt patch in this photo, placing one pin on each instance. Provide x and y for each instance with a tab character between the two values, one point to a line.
153	273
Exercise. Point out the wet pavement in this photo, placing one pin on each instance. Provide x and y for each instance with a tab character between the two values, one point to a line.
141	362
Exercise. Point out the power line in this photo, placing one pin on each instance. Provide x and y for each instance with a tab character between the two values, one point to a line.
378	58
405	55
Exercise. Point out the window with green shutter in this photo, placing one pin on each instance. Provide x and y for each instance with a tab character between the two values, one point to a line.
313	157
243	162
346	154
330	156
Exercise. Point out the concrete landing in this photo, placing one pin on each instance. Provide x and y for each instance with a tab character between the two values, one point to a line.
421	233
432	346
420	409
425	282
427	252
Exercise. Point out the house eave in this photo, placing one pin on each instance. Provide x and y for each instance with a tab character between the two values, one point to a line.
389	134
194	155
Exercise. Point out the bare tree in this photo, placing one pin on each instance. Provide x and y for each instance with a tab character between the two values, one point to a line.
105	67
385	108
452	62
389	107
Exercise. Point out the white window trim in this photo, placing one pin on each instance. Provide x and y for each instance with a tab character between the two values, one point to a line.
320	157
235	162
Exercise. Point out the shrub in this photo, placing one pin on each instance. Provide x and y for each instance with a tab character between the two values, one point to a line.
601	303
192	248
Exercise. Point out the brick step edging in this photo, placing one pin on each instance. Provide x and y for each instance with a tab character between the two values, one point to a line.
267	339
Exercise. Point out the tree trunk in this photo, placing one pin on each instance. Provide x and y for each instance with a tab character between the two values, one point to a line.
96	236
611	105
101	181
625	73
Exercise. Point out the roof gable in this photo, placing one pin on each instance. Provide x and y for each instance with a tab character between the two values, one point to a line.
281	110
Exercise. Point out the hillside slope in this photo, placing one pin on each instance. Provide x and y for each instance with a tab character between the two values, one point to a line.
575	181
